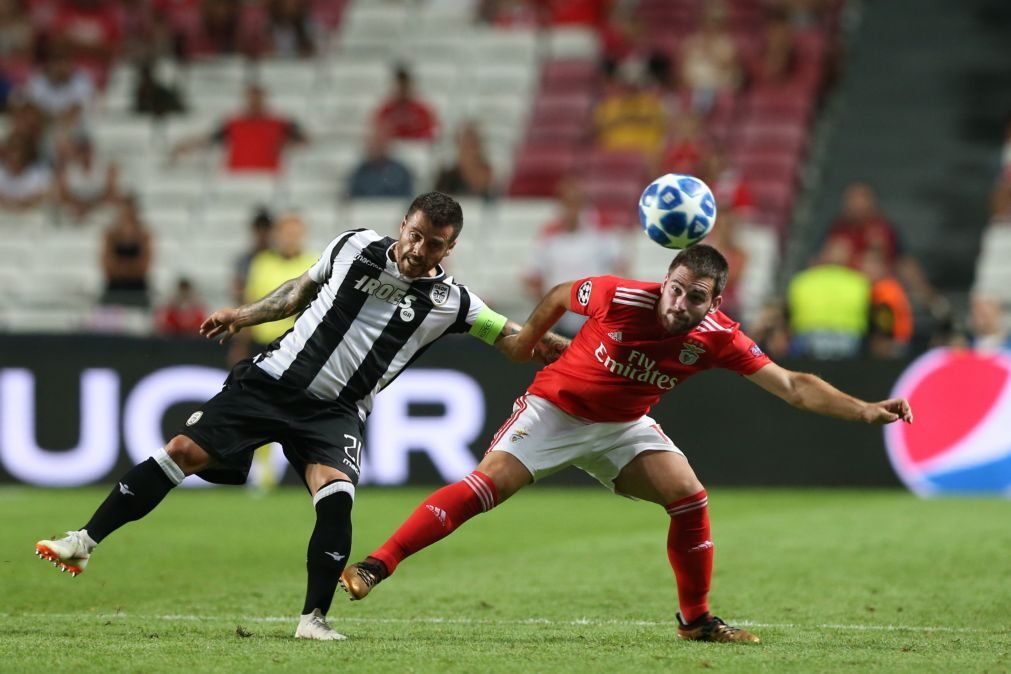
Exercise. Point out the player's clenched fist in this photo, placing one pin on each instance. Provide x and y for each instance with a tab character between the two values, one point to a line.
887	411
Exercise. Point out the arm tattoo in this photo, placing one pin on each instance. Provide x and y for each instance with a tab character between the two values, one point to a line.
510	328
287	299
548	350
551	347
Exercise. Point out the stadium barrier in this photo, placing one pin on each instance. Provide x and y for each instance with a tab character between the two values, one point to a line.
76	410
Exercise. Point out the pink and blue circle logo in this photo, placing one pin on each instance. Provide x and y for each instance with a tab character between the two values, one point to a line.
960	442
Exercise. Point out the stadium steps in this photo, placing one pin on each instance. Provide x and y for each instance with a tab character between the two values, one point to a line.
921	109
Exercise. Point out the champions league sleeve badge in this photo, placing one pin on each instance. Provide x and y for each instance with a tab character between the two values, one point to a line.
439	294
583	293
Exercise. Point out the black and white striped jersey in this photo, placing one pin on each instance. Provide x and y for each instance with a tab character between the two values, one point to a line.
366	323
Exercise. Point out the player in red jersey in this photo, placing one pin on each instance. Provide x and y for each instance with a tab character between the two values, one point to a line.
589	409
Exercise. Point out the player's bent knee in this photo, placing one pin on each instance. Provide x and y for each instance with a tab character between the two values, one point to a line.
507	473
188	455
317	475
680	489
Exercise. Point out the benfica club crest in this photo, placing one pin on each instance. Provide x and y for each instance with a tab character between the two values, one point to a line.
690	352
439	294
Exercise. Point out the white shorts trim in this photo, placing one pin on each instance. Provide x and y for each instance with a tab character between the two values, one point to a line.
546	439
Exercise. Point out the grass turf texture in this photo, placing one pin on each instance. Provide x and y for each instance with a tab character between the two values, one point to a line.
566	580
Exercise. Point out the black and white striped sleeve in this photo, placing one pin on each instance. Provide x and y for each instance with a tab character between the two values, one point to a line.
320	271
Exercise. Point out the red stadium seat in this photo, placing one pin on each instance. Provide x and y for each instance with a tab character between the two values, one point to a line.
557	132
613	164
767	165
771	104
539	168
775	200
612	192
784	137
574	108
328	12
568	77
621	217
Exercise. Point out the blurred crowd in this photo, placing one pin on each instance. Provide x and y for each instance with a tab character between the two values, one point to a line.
660	99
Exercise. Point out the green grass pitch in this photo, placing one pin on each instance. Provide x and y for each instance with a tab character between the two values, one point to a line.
555	580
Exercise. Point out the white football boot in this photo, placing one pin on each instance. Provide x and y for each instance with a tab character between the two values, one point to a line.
314	626
70	553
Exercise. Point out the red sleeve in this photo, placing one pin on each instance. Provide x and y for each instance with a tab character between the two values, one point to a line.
742	355
592	296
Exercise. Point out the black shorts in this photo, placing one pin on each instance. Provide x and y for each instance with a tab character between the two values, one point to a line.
253	409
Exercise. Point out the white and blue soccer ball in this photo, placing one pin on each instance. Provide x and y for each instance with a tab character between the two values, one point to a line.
677	211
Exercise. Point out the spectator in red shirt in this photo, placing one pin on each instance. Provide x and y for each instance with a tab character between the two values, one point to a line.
685	149
590	13
404	116
183	314
255	138
91	30
862	229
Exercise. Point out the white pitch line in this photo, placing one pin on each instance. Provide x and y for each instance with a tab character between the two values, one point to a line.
338	619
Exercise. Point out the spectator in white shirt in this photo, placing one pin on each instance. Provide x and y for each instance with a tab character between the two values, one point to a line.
574	245
62	91
25	182
84	180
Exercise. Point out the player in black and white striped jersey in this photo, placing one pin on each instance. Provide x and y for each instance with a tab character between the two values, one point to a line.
368	308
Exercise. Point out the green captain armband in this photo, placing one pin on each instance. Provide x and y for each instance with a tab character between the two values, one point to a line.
488	325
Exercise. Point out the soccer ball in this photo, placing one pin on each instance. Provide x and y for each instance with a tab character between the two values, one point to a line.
677	210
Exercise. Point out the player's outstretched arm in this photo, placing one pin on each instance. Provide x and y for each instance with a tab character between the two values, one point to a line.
289	298
548	349
530	340
814	394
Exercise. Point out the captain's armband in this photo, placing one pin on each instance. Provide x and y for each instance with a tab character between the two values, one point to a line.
488	325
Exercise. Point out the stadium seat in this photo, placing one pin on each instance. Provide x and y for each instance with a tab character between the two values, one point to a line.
617	164
539	168
772	104
382	215
774	198
492	77
488	45
114	136
572	43
568	76
573	108
523	218
759	273
284	78
612	192
787	138
993	273
768	164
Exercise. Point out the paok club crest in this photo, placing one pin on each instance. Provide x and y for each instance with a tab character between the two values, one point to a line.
690	352
439	294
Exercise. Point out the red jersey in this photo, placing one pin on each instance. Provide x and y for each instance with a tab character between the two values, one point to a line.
407	120
622	360
256	143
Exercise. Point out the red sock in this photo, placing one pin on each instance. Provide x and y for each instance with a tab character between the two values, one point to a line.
438	516
690	551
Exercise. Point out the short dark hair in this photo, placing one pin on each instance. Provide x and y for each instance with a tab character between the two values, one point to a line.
440	209
704	260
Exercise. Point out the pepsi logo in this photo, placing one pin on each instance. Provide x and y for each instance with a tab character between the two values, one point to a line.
961	441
